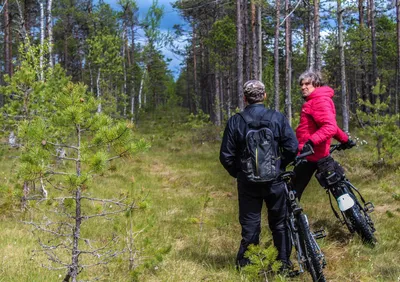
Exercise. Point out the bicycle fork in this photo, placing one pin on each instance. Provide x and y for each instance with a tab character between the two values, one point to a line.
295	239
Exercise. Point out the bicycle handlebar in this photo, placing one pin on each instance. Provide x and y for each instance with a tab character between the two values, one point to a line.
300	158
339	147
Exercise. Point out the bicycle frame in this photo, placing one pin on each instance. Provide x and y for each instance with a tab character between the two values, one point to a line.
296	217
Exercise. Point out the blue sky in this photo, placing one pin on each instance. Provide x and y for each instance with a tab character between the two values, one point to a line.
171	17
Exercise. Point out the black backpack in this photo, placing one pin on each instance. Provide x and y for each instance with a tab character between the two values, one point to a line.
258	161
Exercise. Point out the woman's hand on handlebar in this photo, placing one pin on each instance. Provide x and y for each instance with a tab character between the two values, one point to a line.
349	144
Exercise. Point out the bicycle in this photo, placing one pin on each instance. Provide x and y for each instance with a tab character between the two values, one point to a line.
308	253
354	215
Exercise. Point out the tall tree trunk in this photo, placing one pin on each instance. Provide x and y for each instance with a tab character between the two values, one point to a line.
310	41
247	42
7	39
26	12
398	58
345	112
361	13
259	27
98	90
132	66
141	90
124	87
276	54
239	48
362	62
318	59
217	100
254	37
188	87
373	46
195	88
288	69
50	32
91	77
228	94
42	31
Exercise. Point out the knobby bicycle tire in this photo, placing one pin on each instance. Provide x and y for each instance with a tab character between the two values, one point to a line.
360	224
311	251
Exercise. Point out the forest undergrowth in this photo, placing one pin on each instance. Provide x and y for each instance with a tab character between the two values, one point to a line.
185	222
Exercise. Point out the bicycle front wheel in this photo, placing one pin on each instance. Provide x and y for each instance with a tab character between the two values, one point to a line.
313	254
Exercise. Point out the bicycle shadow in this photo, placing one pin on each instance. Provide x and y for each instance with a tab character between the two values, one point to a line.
334	229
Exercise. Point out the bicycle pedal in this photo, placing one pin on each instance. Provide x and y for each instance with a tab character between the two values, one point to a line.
369	207
323	263
294	273
319	234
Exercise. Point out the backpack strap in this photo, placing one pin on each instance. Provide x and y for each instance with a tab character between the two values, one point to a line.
246	117
254	123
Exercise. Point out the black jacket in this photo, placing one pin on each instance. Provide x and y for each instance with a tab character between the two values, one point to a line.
233	142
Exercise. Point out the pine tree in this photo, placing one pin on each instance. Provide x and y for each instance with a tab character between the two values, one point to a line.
381	125
65	143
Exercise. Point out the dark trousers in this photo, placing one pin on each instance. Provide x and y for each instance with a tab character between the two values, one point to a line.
251	198
304	172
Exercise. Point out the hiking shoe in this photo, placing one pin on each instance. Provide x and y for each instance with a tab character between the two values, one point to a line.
242	263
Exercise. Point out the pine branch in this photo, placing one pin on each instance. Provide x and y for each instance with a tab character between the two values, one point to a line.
65	158
59	173
63	145
120	155
38	227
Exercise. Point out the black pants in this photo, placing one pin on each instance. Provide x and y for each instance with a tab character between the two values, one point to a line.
251	198
304	172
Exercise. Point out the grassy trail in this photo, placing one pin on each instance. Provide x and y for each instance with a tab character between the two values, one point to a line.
186	224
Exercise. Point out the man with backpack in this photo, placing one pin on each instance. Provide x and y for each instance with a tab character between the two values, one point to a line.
257	145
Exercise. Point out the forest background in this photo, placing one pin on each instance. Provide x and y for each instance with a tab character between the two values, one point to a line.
109	163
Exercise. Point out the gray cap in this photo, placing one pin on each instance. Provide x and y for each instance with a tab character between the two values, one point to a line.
254	91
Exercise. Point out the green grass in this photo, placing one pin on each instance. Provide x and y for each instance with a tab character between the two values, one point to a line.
186	217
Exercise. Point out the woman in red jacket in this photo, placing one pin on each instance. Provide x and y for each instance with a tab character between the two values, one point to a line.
317	126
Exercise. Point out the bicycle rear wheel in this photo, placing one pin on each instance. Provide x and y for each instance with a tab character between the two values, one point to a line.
313	254
360	224
360	220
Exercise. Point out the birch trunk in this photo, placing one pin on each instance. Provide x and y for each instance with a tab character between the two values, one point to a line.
141	90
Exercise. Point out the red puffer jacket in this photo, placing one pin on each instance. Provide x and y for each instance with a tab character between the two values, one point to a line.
318	123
